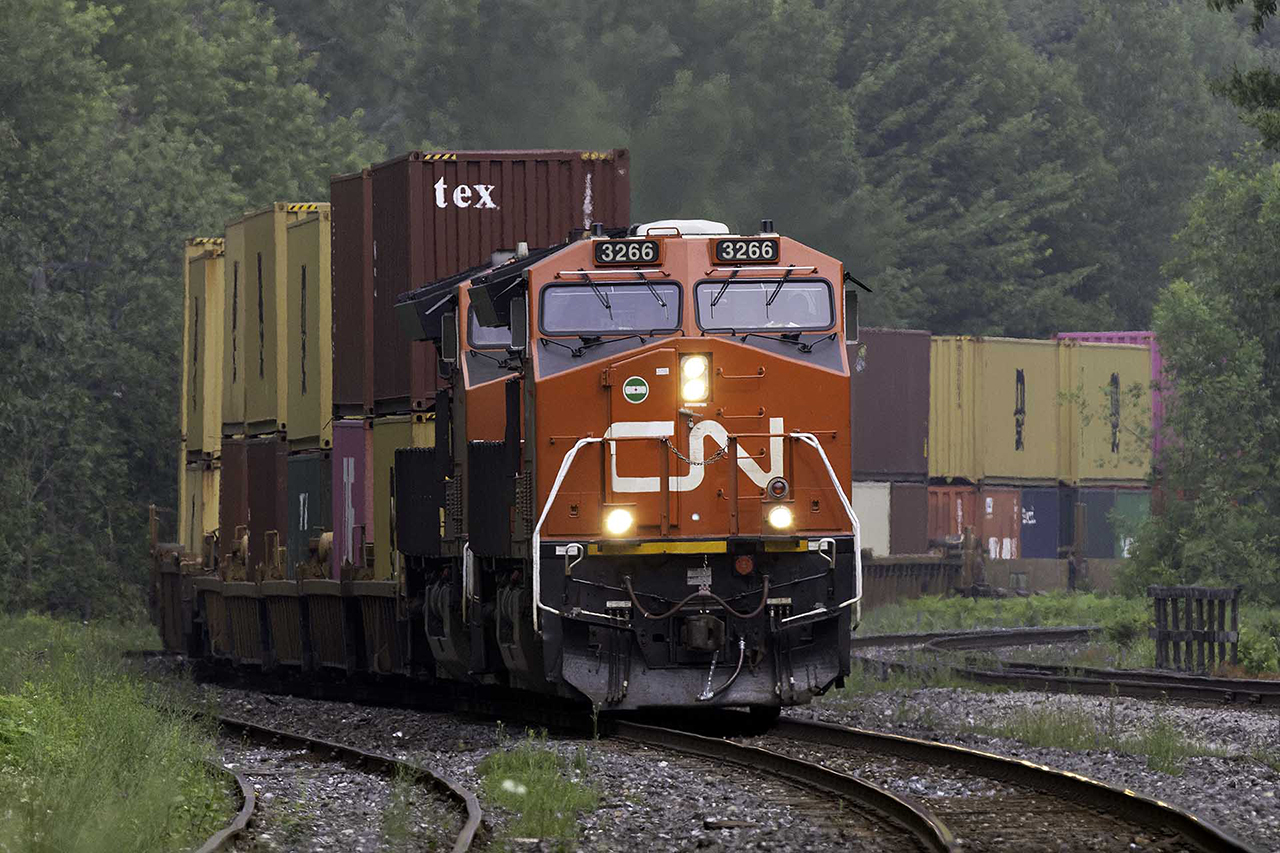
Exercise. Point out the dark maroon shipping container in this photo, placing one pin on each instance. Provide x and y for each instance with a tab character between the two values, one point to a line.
908	518
438	214
351	197
268	483
889	394
233	494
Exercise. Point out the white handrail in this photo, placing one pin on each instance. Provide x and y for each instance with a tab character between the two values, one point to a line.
812	440
537	529
806	437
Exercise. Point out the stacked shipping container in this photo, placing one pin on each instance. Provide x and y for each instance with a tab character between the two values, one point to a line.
1017	426
889	394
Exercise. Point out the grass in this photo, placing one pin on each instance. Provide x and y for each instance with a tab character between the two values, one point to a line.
87	763
1124	642
1064	725
862	683
537	784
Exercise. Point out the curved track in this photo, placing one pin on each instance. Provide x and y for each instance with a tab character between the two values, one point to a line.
1086	794
911	820
462	799
1060	678
222	839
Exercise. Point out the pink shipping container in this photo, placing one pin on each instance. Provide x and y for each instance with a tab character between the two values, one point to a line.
1146	339
352	491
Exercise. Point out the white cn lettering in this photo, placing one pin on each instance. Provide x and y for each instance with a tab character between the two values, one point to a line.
707	429
462	195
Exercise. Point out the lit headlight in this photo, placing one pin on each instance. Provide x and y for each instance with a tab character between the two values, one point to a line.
694	366
694	390
780	517
695	375
618	521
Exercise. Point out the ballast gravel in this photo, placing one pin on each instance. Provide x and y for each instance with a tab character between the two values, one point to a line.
649	799
312	803
1237	792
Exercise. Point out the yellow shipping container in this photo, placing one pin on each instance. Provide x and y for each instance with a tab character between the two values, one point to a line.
309	340
266	256
198	510
203	379
233	330
191	248
390	434
994	409
1102	439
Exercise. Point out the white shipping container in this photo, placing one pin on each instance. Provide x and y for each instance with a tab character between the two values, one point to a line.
871	505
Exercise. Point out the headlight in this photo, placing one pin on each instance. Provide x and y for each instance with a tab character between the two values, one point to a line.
694	390
695	375
780	517
694	366
618	521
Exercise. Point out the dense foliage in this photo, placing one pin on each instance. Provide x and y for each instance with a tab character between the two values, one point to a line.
988	166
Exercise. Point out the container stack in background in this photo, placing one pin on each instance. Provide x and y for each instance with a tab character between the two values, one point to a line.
1129	502
889	395
1031	443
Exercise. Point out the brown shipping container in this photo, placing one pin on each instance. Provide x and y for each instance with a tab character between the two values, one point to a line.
951	509
909	517
1000	531
268	483
437	214
889	385
351	197
233	494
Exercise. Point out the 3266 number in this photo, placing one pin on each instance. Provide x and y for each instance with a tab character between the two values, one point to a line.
736	251
626	252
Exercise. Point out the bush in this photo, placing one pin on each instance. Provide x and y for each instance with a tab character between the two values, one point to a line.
1259	651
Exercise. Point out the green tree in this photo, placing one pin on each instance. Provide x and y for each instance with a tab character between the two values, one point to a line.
1219	328
1256	91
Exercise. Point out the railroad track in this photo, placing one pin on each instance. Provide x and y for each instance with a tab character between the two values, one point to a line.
1066	807
461	799
1060	678
909	823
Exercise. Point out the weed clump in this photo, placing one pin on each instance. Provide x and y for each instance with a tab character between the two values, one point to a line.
536	783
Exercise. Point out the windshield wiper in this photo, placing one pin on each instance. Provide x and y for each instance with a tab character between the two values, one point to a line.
653	290
589	342
724	287
768	303
792	338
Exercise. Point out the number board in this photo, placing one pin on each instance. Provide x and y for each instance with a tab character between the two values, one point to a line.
745	250
628	252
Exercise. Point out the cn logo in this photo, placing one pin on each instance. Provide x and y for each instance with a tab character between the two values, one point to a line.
697	453
463	195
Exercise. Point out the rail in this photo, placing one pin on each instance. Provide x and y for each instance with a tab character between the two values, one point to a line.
462	797
222	839
1070	786
915	819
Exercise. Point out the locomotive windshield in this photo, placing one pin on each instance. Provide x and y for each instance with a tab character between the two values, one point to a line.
486	337
780	304
605	309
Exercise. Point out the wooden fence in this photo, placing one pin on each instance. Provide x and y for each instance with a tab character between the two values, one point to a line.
1191	621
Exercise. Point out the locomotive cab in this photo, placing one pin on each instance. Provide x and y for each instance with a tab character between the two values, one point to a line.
643	504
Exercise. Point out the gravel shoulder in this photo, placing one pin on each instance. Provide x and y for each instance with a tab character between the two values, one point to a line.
649	799
1236	792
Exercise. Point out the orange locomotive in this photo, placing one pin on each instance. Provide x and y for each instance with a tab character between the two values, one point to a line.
634	493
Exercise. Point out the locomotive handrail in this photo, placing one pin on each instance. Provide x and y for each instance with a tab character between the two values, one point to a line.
812	440
537	528
806	437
